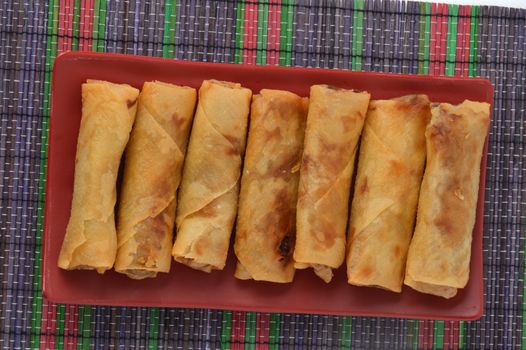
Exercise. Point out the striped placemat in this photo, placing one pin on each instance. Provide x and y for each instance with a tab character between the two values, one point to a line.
347	34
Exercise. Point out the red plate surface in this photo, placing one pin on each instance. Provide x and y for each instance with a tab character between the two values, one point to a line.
184	287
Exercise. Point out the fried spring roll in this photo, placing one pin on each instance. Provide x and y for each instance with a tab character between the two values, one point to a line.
390	168
152	173
440	251
209	190
334	125
267	208
108	112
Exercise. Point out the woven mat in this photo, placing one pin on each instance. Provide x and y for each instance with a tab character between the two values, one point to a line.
352	34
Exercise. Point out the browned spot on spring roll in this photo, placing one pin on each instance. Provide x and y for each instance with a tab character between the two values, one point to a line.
267	208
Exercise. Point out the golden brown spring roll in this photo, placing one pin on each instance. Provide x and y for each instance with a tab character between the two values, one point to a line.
334	125
152	173
210	186
267	207
108	112
440	251
390	168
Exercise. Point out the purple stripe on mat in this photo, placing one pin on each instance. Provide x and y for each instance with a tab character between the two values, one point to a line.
284	325
303	36
100	332
185	18
299	330
210	40
20	131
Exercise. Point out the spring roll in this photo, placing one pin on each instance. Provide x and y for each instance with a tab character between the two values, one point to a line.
210	187
334	125
108	112
152	173
267	207
440	251
390	168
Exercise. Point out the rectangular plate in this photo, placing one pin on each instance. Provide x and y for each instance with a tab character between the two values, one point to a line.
184	287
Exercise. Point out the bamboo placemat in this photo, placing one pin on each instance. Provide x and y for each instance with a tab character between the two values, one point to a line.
361	35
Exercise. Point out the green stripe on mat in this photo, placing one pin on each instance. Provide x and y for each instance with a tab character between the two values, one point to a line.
99	27
473	41
240	32
357	35
285	29
250	330
153	330
438	334
411	334
461	332
261	52
452	27
76	25
346	333
226	330
59	332
424	38
273	337
84	328
51	50
170	16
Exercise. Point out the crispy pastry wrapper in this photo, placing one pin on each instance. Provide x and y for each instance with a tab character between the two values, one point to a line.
210	186
334	125
267	207
152	173
440	251
108	112
390	168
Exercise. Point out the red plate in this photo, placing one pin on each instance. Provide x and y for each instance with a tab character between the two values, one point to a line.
184	287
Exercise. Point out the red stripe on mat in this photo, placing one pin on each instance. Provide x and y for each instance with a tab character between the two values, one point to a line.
438	39
86	25
65	25
71	325
48	325
452	342
262	331
250	34
237	338
274	24
463	39
425	334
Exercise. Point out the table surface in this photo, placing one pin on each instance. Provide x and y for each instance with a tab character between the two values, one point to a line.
374	35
